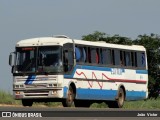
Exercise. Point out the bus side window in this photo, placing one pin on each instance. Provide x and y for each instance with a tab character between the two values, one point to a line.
97	56
141	62
104	57
127	58
83	54
122	61
94	56
77	54
117	57
80	54
143	59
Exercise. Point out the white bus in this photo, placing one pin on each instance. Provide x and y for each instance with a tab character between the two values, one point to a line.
78	72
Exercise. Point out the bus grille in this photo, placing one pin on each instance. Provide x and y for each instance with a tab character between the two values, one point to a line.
37	85
39	78
36	93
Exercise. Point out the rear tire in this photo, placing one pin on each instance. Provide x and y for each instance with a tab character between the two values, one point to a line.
119	101
68	102
27	102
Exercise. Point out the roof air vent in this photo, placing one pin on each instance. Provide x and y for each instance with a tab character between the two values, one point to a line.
61	36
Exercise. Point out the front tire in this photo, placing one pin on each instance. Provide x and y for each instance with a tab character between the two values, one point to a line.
68	102
27	102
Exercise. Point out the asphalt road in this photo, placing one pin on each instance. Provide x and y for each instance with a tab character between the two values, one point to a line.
44	113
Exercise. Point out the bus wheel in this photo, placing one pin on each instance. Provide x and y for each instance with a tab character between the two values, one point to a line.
119	100
70	98
121	97
27	102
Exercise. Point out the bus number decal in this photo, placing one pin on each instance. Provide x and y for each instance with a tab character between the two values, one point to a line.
116	71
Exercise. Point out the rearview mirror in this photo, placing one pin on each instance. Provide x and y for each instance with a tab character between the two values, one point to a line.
11	59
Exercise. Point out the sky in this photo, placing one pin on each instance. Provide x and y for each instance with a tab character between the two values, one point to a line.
22	19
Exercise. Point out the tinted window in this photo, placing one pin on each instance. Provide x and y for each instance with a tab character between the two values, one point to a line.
127	59
117	57
141	62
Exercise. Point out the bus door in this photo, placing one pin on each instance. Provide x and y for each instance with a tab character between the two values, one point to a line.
68	57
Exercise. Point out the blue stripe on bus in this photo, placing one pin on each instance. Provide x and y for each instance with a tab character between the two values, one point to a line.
100	69
99	94
141	72
135	95
96	68
30	79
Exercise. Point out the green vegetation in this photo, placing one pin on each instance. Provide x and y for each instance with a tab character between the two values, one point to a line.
49	104
6	98
141	104
99	105
147	104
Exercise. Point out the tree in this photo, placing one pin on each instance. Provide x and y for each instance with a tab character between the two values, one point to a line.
152	45
116	39
96	36
100	36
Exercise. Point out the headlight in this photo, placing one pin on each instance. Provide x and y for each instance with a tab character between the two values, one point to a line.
52	85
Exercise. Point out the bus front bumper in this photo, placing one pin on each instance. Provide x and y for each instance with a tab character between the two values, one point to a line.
37	93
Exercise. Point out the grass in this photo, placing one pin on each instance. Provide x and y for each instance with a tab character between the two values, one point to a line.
143	104
99	105
49	104
7	98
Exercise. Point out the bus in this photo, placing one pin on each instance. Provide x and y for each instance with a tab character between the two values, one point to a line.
78	72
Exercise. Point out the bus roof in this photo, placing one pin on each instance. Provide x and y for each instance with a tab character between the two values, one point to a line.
42	41
48	41
104	44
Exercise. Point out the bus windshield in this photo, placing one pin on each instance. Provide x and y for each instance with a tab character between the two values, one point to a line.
43	59
50	59
25	59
